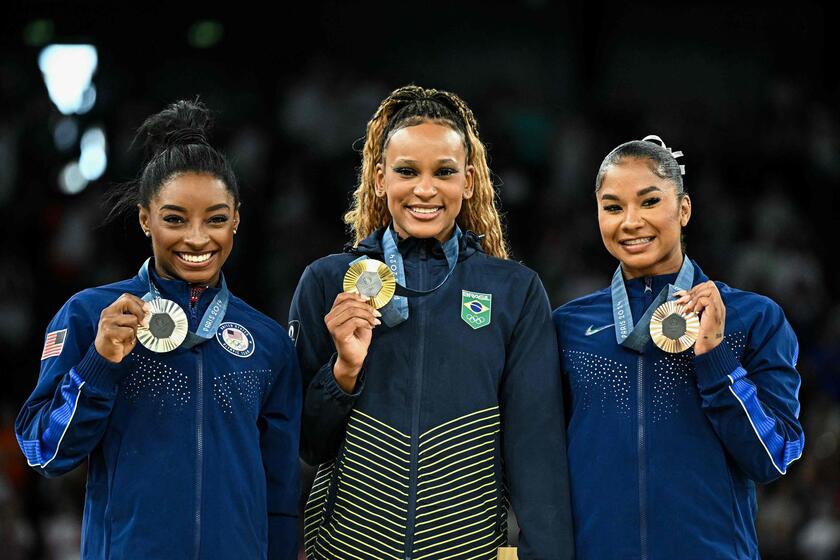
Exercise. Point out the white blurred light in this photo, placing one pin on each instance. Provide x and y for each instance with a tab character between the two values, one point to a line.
88	99
67	71
65	133
71	181
93	138
93	160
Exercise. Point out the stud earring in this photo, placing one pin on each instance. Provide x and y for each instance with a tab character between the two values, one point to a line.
147	232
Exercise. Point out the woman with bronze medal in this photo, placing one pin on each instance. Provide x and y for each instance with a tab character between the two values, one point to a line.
432	389
190	436
683	391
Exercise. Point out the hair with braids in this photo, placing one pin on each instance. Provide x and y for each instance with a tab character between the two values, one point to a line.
409	106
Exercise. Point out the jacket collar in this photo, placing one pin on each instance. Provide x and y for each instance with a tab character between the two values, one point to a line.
371	246
178	290
636	286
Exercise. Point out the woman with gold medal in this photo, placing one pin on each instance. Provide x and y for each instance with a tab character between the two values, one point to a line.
683	392
430	371
190	436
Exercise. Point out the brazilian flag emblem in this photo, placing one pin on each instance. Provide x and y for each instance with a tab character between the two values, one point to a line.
475	308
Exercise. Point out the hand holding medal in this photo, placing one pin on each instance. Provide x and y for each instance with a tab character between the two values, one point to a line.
116	334
368	285
704	299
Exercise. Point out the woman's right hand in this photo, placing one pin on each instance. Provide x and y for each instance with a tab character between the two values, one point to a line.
351	322
117	331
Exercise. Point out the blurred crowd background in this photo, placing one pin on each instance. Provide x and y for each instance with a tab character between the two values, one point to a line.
747	92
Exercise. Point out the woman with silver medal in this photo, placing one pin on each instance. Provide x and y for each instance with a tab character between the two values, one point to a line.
429	360
683	391
191	436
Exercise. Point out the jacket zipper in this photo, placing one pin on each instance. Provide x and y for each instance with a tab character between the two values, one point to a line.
415	413
199	439
640	396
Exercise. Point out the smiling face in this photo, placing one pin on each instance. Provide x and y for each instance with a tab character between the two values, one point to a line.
641	219
425	178
191	221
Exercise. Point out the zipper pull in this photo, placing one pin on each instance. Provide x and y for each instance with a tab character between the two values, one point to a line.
647	284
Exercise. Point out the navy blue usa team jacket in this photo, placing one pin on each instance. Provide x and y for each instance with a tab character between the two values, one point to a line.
191	453
665	449
454	407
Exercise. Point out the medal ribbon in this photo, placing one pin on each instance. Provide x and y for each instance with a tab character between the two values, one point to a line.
396	311
212	318
636	337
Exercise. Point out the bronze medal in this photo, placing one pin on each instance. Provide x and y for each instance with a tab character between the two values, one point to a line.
672	330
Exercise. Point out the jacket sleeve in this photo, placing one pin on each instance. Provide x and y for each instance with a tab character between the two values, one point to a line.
754	406
67	414
326	406
279	426
533	433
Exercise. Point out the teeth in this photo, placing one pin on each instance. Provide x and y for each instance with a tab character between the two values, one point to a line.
424	210
195	258
638	241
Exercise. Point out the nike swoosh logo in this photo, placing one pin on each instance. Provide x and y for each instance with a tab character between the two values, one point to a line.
592	330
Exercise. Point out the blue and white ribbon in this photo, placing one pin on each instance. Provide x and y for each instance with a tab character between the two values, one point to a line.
636	337
213	316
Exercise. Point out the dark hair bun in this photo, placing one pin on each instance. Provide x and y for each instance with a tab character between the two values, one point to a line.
181	123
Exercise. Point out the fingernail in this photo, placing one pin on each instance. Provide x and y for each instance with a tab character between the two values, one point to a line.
377	322
376	313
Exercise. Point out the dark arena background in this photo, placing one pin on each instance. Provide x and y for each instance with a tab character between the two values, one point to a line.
749	93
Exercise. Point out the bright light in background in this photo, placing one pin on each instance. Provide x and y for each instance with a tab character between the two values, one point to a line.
88	99
67	71
71	181
93	161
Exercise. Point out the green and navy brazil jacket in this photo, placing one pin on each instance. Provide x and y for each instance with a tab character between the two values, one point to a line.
191	453
445	421
665	449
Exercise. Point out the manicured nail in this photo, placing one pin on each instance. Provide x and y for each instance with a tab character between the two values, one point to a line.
377	322
376	313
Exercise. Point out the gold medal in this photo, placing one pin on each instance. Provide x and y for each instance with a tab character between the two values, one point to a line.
167	326
371	279
672	330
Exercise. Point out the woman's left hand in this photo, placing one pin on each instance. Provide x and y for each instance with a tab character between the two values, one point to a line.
704	299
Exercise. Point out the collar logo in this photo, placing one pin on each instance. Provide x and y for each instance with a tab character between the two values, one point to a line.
236	339
294	330
476	308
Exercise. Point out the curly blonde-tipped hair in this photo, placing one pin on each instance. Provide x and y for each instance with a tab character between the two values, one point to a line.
407	106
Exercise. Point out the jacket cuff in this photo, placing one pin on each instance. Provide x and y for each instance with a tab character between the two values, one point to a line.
99	373
715	366
326	379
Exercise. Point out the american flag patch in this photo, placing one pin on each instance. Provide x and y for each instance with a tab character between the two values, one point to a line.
54	344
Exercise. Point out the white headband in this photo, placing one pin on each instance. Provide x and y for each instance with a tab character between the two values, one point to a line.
675	155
